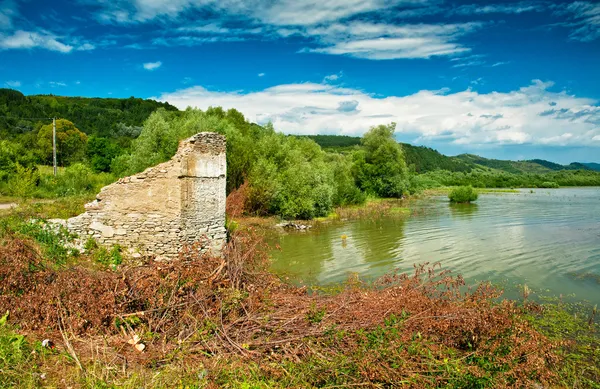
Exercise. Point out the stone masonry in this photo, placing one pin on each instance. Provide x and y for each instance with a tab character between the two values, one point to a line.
168	206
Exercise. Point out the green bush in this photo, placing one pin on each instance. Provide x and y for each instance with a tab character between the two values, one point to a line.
462	194
77	179
17	367
22	184
549	184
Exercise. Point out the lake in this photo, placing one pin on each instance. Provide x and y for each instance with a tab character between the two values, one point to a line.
548	239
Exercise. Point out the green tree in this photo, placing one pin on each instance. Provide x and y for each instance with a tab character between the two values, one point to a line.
100	153
70	143
379	168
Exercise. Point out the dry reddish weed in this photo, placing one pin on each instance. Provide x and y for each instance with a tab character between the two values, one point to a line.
236	201
235	307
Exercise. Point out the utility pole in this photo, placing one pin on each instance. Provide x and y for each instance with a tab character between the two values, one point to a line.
54	143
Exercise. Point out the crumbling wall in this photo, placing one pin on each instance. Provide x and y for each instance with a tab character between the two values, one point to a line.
158	211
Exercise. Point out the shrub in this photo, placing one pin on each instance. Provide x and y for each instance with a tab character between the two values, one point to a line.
549	184
22	184
462	194
77	179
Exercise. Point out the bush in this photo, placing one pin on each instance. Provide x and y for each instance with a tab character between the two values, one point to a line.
462	194
22	184
77	179
549	184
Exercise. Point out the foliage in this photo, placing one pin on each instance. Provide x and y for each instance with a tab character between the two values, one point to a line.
13	154
288	176
75	180
104	117
23	182
425	159
498	179
109	258
100	153
463	194
16	357
549	184
70	143
53	240
379	167
335	141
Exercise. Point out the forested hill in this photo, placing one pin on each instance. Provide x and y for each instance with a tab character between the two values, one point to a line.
105	117
425	159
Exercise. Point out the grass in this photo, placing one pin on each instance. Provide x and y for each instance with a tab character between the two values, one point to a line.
575	326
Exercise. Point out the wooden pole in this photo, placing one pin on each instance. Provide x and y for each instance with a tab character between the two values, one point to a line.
54	143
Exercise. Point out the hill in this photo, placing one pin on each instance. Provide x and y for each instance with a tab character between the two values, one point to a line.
425	159
105	117
592	166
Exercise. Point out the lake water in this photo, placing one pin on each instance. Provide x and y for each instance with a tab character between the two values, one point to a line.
548	239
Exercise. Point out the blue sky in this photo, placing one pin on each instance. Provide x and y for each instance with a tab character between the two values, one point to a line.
503	79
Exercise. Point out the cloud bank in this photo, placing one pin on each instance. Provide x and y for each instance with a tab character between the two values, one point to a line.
530	115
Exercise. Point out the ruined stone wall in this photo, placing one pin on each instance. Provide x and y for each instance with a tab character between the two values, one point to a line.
167	206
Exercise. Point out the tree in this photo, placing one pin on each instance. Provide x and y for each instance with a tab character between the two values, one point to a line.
379	168
70	143
101	152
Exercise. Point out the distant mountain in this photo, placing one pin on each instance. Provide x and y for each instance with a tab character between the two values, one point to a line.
426	159
592	166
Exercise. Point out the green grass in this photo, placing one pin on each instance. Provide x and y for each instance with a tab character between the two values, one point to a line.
577	326
18	365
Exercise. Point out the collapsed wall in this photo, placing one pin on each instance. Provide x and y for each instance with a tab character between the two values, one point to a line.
168	206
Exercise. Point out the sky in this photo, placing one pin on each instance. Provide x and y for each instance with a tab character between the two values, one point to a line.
502	79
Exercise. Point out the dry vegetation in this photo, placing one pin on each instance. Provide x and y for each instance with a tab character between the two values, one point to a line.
229	322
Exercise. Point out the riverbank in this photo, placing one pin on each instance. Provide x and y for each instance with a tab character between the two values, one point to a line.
209	322
205	322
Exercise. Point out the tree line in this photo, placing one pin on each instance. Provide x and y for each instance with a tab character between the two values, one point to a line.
290	176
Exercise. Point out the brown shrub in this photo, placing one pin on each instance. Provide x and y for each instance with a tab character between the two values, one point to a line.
233	307
235	205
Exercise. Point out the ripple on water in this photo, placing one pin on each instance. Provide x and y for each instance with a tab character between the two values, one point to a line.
540	238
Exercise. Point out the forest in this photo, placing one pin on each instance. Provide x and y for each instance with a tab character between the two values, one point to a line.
99	140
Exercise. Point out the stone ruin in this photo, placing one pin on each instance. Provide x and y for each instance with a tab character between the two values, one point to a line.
166	207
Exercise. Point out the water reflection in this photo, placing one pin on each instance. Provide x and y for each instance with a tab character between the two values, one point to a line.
540	239
463	210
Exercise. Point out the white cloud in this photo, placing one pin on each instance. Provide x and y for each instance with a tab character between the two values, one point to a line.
57	84
152	65
86	47
514	8
283	12
261	74
384	41
330	27
468	64
29	40
585	20
8	10
332	77
500	63
13	84
531	114
309	12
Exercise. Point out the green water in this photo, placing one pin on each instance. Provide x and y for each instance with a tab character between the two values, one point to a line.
549	240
